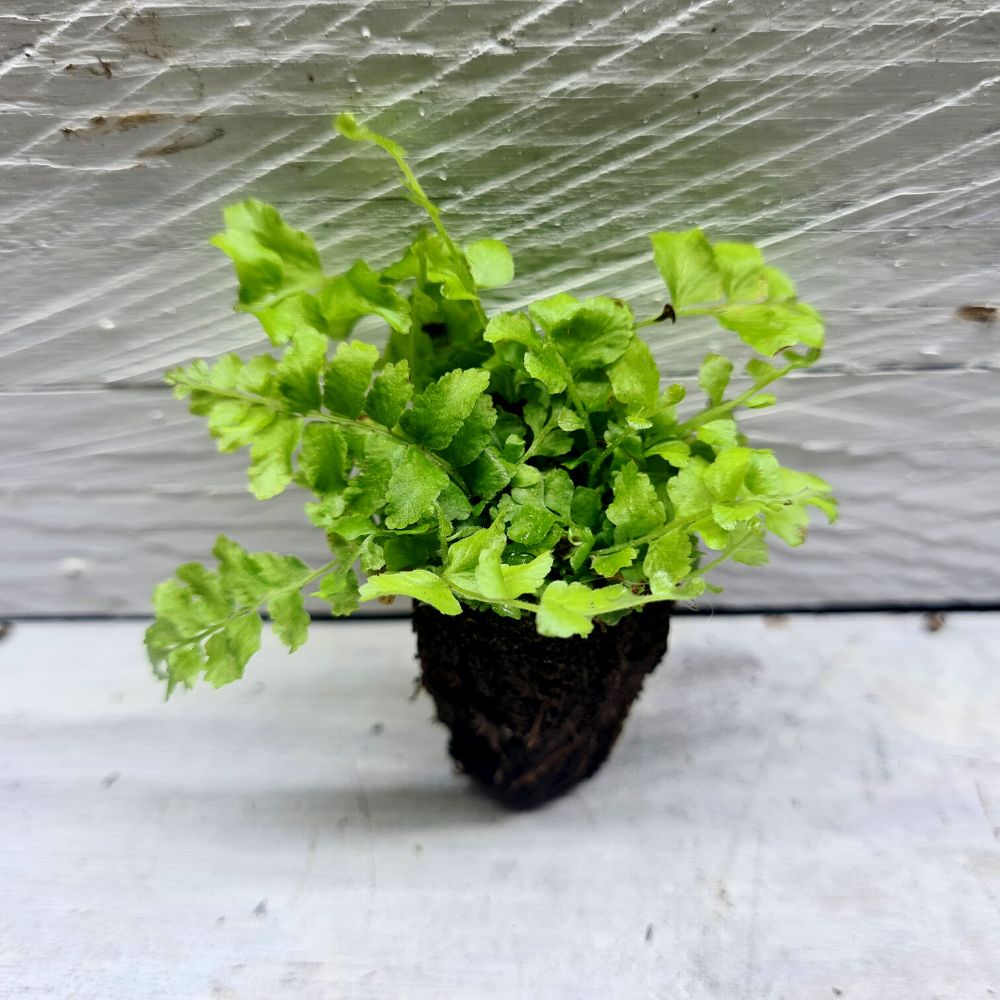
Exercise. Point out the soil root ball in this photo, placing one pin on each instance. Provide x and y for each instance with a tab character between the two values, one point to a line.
531	716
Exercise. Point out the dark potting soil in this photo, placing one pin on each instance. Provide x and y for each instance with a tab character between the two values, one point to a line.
530	716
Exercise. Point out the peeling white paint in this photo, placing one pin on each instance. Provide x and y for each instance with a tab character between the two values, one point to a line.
72	567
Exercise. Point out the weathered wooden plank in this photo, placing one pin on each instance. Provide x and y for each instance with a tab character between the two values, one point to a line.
801	810
104	493
857	142
796	146
158	308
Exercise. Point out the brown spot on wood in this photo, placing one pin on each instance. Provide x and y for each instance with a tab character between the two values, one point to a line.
977	314
934	621
775	621
103	67
101	125
142	33
125	122
192	140
199	83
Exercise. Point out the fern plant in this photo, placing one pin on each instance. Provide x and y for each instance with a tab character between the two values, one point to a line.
520	463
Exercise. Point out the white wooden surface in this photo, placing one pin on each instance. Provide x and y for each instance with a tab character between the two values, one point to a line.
800	808
858	142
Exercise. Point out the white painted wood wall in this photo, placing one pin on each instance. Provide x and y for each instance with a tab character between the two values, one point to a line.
858	142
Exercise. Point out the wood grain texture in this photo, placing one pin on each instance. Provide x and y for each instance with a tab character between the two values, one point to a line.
796	810
125	486
858	143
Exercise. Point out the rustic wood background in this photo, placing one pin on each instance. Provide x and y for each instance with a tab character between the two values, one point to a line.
858	142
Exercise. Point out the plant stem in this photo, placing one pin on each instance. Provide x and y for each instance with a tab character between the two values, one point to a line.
536	442
371	427
511	603
574	397
595	467
368	426
634	601
714	412
725	554
248	609
434	213
392	532
650	537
